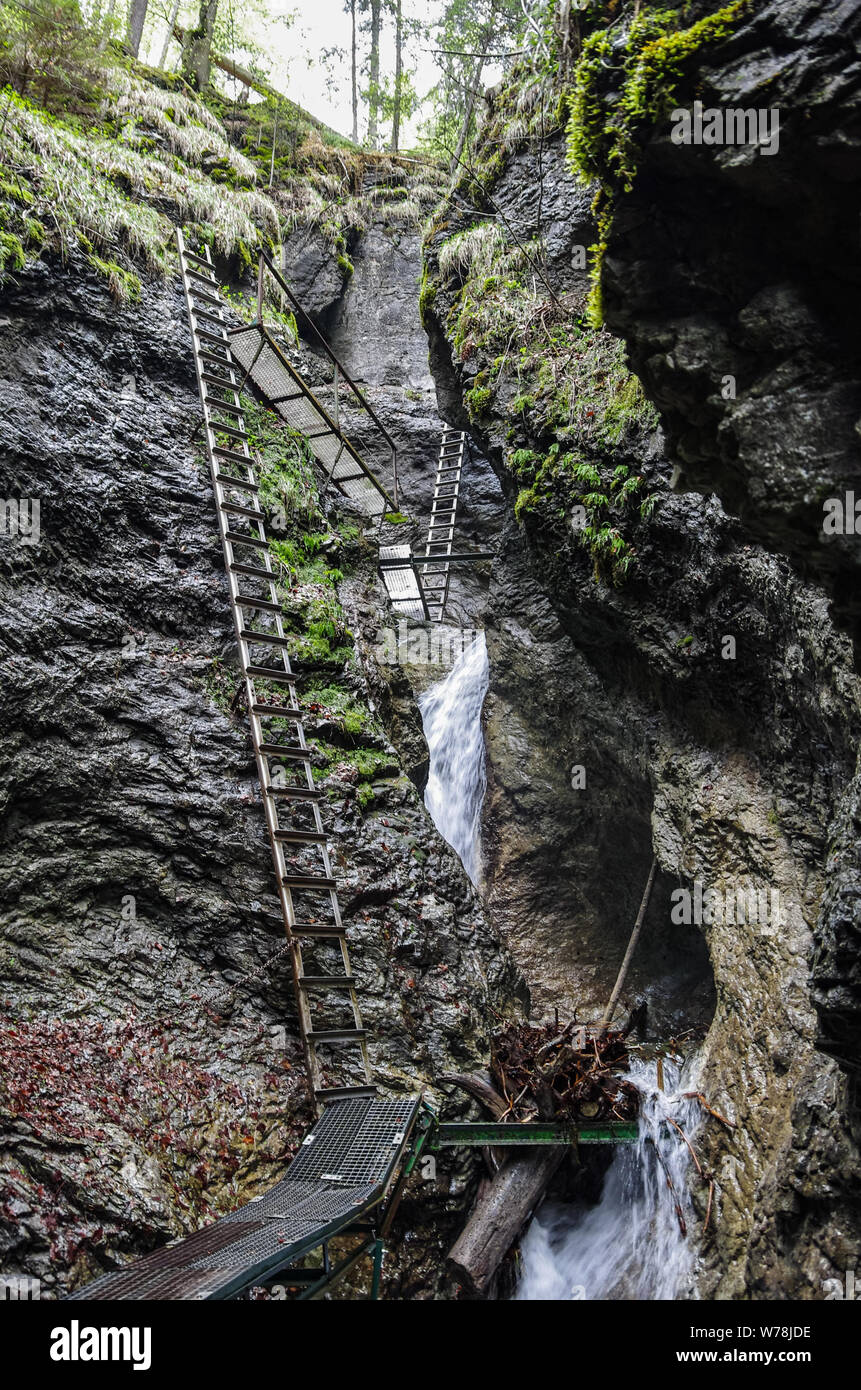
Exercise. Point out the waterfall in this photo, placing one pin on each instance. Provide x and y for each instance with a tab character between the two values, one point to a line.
630	1245
451	714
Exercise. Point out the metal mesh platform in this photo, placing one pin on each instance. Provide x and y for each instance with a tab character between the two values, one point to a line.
402	585
342	1170
285	391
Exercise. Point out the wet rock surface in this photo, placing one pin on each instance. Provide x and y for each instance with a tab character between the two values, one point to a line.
735	763
154	1083
726	262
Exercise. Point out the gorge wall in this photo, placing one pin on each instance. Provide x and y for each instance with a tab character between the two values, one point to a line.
153	1076
608	615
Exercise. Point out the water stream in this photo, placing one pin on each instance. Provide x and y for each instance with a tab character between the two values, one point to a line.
451	714
630	1245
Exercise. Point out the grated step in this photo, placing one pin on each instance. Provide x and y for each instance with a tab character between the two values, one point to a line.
326	981
277	750
327	1094
271	673
337	1035
265	605
272	639
310	881
278	711
299	837
236	537
295	793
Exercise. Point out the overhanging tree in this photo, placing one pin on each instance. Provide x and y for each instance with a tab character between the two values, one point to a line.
137	17
197	47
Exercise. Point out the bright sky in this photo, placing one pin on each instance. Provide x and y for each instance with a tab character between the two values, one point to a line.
295	52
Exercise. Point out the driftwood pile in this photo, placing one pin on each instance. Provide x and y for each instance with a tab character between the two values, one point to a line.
538	1072
544	1072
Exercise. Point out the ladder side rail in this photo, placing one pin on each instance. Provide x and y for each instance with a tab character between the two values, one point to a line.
239	596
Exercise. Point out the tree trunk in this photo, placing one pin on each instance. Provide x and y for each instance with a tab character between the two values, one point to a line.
137	16
103	41
233	69
396	113
470	107
500	1213
169	35
374	73
353	79
196	53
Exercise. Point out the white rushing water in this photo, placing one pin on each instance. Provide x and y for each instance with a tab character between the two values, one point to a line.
451	714
630	1245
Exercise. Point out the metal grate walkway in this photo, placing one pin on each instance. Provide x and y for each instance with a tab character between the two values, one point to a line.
289	396
343	1171
399	575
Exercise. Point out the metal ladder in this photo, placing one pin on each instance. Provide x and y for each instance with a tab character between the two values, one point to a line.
307	890
435	578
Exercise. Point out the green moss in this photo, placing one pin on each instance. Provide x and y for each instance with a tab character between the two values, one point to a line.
620	91
478	401
345	265
339	705
124	285
427	296
12	254
219	682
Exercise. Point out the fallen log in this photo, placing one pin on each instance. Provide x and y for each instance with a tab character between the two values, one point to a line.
480	1090
635	936
502	1210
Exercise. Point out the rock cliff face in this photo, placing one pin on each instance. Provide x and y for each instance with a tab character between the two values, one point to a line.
709	697
154	1075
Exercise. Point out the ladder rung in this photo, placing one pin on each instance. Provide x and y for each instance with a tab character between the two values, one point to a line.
299	837
326	1094
209	337
209	318
278	711
295	793
221	359
236	537
236	567
265	605
271	638
193	256
326	981
221	382
277	750
337	1035
309	881
207	298
205	279
244	483
227	409
230	430
232	454
271	673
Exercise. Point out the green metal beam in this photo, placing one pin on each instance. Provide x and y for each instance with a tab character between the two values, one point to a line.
453	1135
